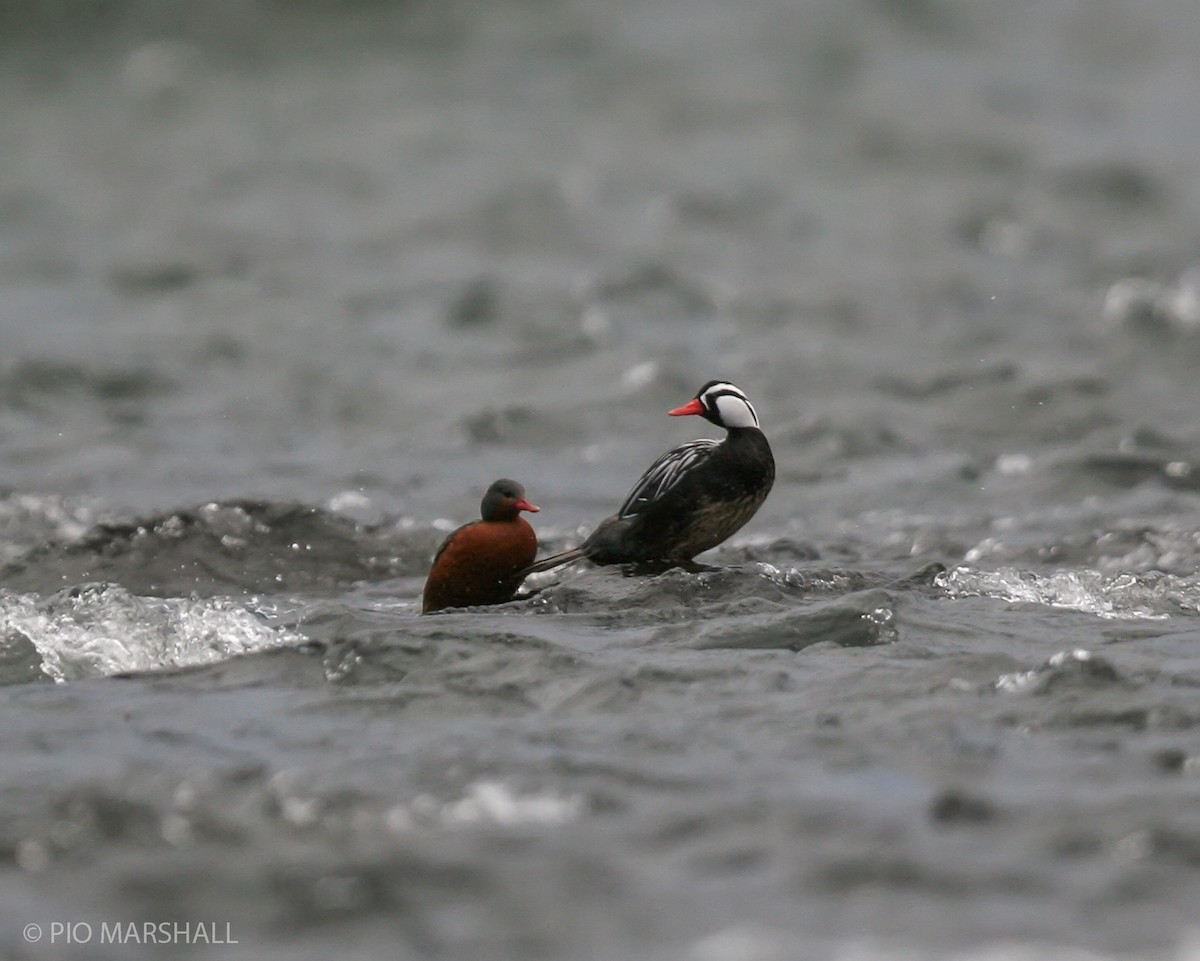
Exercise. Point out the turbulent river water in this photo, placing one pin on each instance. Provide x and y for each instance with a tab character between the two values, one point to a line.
284	287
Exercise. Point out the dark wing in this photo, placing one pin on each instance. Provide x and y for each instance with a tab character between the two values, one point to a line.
665	473
446	543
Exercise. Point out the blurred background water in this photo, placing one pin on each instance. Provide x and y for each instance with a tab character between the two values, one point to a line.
285	286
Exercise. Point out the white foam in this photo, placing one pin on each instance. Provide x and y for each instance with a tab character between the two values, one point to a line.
1132	596
27	519
1020	681
102	629
489	802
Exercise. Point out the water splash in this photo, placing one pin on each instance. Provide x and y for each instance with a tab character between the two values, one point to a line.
1139	301
488	802
29	519
101	629
1077	666
1124	596
495	802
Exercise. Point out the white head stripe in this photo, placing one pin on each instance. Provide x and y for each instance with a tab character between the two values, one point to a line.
735	411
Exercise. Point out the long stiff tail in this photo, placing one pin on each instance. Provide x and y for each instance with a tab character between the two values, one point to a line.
554	560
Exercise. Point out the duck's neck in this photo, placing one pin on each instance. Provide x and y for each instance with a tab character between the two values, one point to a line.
502	518
739	434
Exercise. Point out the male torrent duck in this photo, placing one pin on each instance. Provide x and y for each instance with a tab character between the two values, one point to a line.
483	562
693	497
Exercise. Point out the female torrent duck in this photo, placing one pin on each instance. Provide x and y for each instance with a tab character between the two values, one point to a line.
483	562
693	497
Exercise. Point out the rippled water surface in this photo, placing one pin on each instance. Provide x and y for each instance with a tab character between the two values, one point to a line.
283	288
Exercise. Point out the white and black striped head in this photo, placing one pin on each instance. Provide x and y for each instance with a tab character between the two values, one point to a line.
722	403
